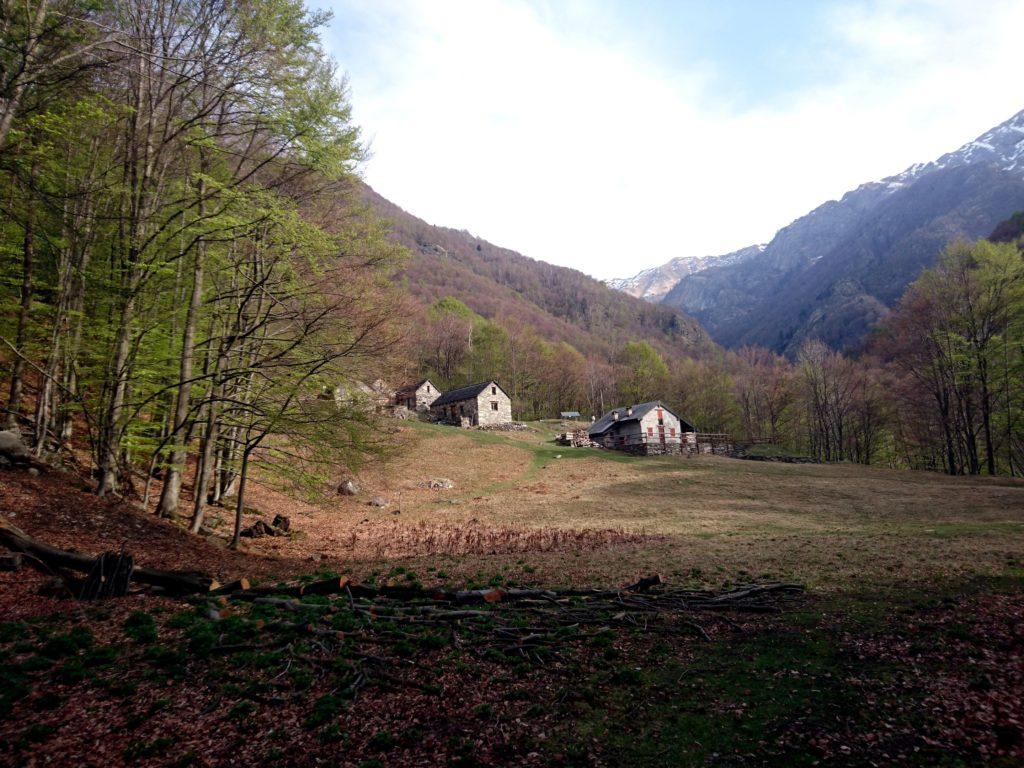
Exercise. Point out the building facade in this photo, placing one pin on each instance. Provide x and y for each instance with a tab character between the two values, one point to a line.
479	405
419	396
646	429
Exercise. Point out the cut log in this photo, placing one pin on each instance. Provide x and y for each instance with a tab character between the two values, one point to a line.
11	562
239	585
334	586
174	582
645	583
325	587
110	576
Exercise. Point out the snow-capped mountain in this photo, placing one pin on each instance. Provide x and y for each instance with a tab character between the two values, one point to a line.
652	284
833	273
1002	147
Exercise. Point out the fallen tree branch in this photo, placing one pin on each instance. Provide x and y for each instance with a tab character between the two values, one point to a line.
174	582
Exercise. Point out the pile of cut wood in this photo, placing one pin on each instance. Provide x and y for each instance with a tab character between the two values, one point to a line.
498	623
525	621
578	438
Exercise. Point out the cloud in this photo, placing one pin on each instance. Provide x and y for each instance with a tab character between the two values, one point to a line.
549	129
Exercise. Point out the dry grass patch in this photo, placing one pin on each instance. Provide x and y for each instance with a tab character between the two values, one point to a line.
601	518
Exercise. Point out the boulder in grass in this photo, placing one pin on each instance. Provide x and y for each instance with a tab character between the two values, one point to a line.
259	529
380	502
349	488
438	483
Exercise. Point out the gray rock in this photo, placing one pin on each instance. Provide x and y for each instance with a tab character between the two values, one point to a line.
33	471
349	488
438	483
12	448
380	502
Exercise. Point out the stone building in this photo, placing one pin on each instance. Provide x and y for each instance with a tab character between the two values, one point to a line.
372	398
478	405
646	429
419	396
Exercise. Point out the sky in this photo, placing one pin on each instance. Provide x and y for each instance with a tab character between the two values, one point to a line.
614	135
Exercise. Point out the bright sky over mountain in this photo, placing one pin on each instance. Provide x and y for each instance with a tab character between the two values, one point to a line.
613	136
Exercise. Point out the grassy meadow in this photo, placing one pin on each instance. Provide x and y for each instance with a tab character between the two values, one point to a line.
703	520
907	647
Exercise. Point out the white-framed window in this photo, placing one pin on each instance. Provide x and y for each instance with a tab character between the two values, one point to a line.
494	405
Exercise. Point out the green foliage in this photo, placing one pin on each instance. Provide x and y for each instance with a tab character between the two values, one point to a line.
325	709
140	627
643	374
233	265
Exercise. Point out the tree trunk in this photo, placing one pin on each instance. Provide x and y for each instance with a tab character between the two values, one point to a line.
110	439
168	505
240	501
21	336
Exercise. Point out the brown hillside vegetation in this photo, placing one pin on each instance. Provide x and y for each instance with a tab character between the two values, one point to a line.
560	304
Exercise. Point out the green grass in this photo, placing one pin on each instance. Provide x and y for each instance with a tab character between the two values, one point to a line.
763	698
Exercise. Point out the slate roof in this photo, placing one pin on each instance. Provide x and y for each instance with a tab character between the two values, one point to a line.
464	393
413	387
640	410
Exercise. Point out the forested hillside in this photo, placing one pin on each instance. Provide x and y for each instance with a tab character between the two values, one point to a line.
186	261
560	304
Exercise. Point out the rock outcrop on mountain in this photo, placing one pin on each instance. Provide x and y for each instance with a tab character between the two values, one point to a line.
654	283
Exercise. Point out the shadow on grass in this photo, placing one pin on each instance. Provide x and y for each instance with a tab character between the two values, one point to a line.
836	683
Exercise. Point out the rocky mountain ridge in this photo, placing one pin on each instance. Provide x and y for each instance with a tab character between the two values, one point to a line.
833	273
654	283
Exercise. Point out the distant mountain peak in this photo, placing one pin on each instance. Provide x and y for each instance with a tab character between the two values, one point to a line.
1003	147
654	283
833	273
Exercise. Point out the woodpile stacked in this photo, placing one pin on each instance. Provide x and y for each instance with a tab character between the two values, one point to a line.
577	438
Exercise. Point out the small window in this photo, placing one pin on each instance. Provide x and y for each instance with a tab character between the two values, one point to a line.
650	430
494	405
494	390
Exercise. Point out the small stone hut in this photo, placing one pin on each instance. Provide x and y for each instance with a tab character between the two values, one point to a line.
646	429
479	405
419	396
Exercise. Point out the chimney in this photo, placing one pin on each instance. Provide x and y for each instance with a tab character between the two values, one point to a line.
615	415
629	411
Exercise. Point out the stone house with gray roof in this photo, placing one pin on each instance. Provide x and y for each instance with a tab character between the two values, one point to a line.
645	429
479	405
419	396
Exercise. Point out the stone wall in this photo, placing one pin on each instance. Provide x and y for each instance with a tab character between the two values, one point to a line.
486	414
655	448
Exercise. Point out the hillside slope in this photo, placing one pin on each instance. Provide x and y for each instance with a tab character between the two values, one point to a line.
834	272
560	304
